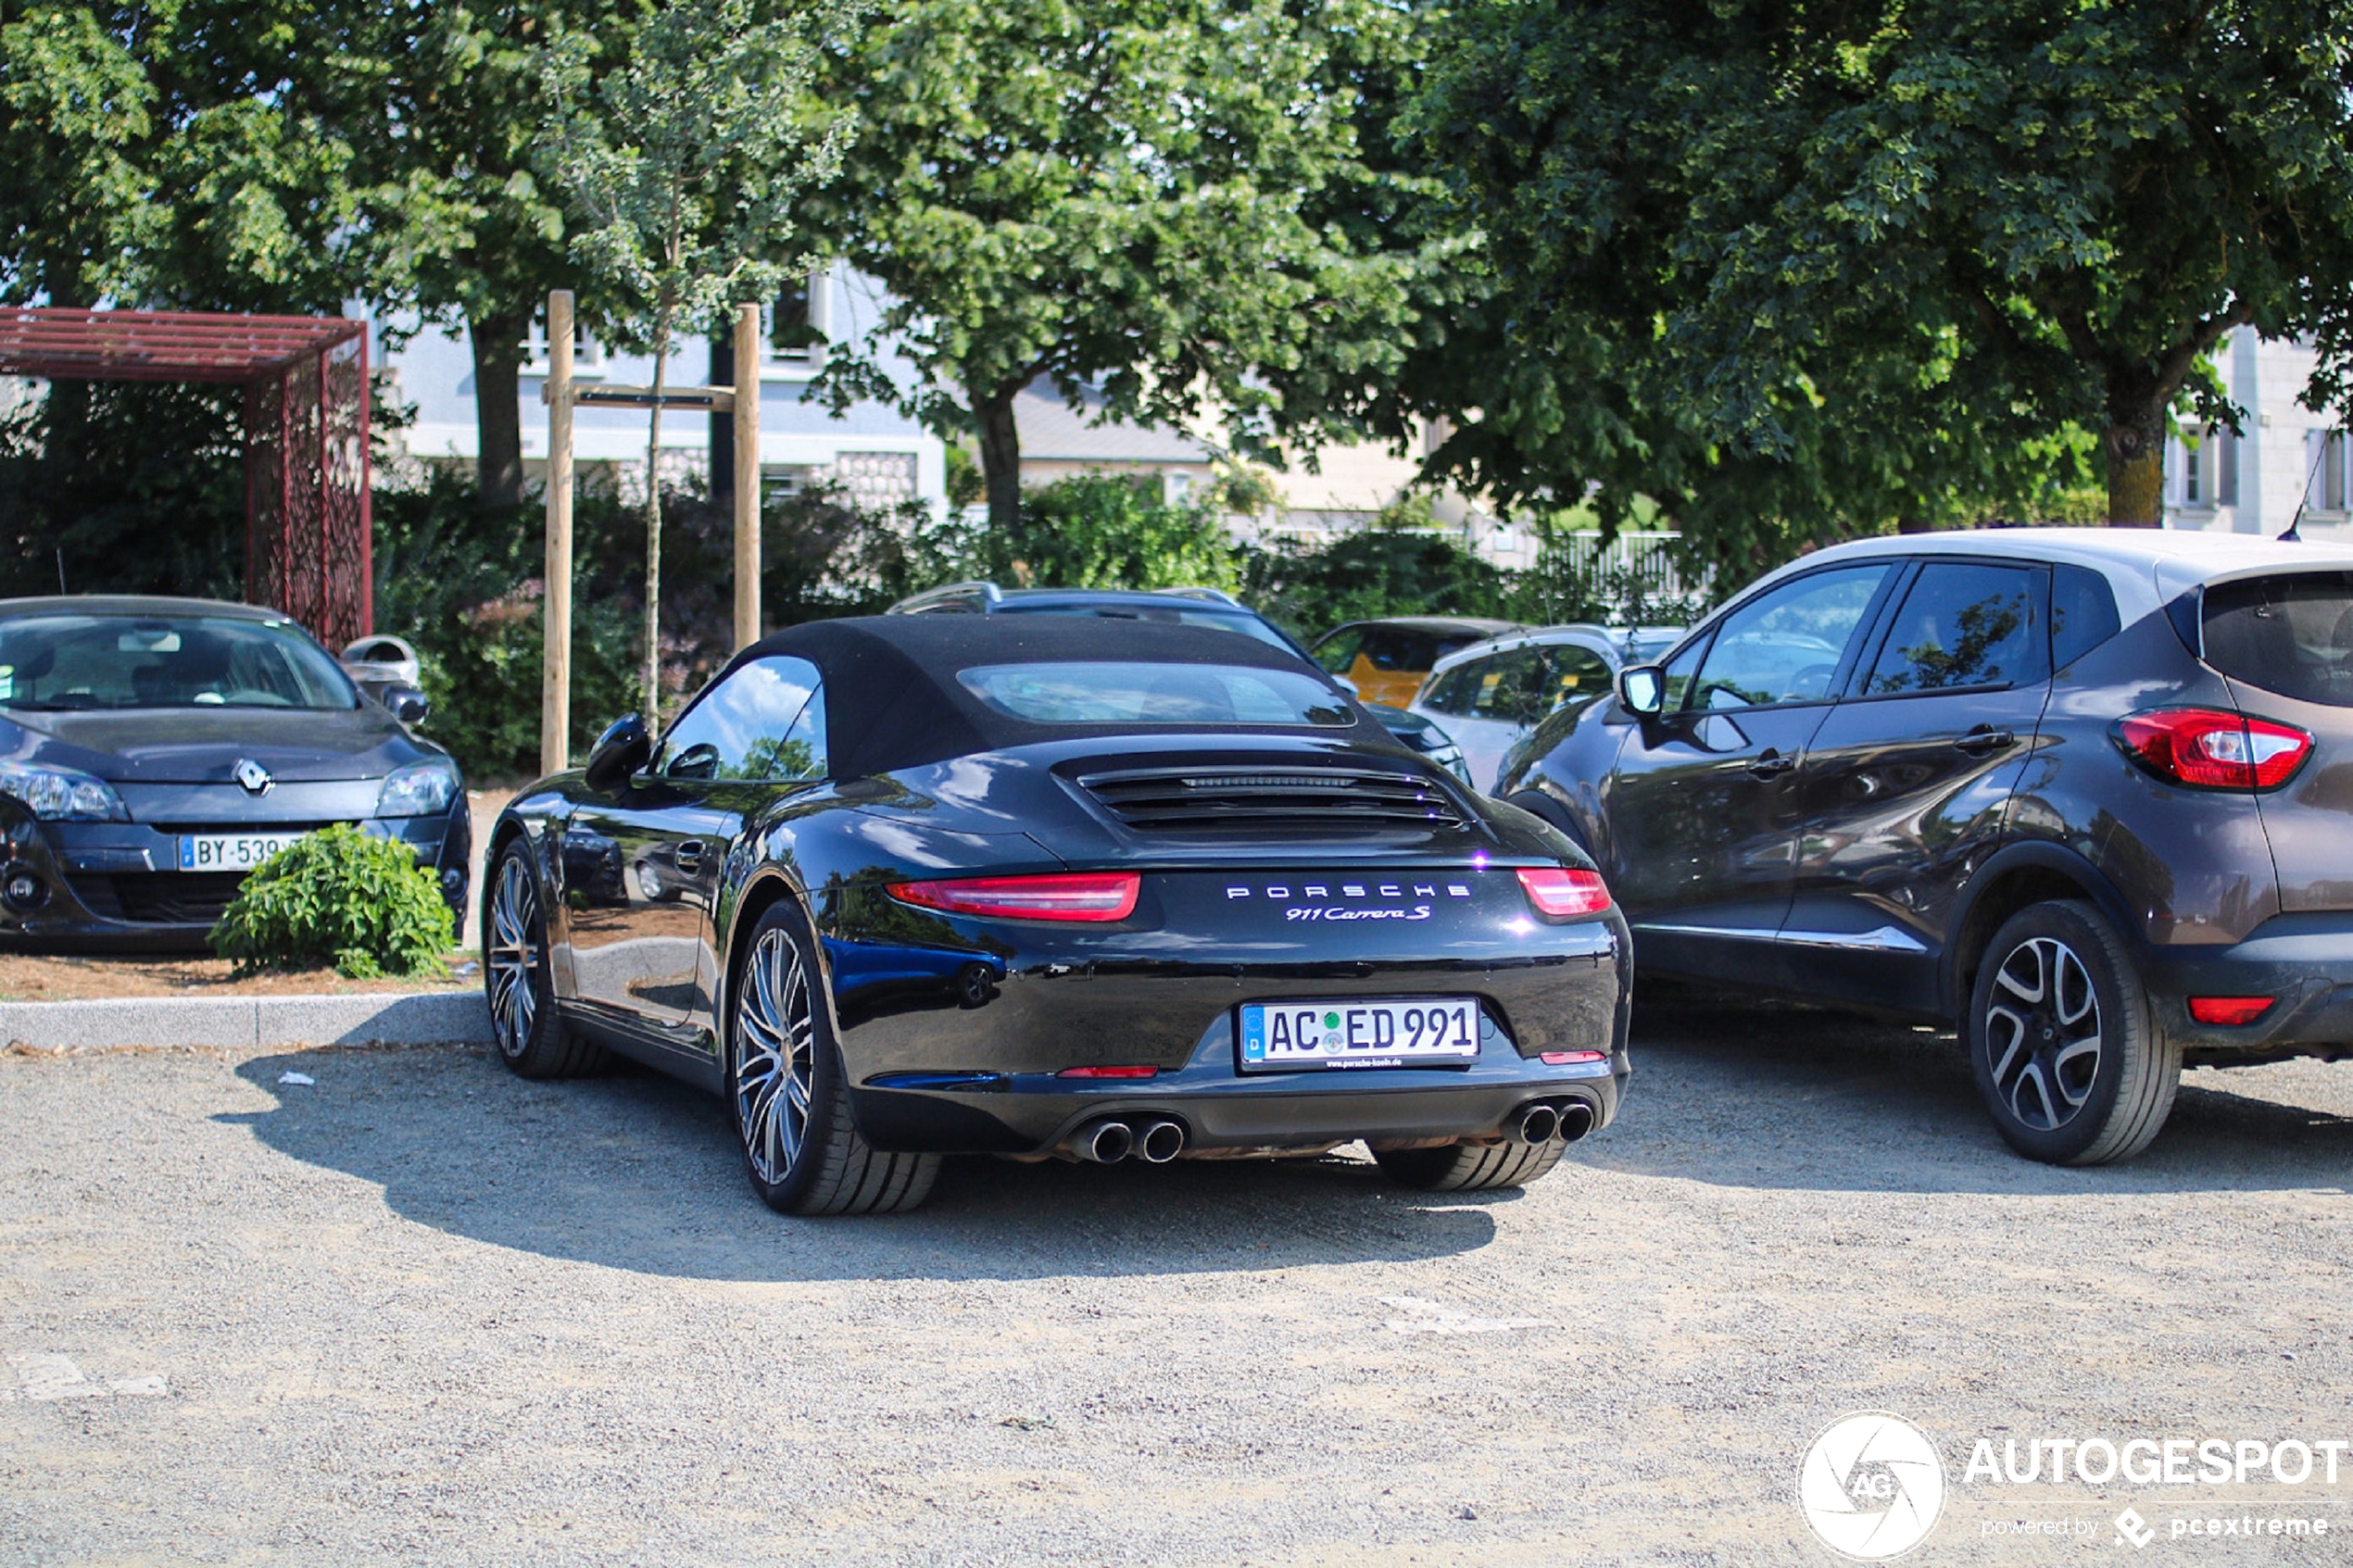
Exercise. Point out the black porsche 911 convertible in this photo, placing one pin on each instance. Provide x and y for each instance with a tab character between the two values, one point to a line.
906	886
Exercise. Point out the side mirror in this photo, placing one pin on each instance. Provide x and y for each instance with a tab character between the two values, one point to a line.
1642	688
407	704
625	748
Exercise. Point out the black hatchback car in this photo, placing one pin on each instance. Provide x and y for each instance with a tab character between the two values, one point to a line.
155	750
2089	793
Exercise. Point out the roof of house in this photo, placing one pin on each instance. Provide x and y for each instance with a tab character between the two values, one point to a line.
1053	431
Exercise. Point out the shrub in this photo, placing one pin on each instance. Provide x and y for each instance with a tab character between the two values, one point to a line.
339	896
1109	531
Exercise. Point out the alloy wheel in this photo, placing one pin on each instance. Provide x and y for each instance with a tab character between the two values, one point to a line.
775	1056
513	955
2043	1033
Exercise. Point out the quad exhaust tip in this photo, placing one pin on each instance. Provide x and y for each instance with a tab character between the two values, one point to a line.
1105	1143
1160	1142
1576	1120
1538	1123
1155	1140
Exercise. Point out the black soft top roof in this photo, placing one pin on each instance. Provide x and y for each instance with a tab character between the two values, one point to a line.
892	700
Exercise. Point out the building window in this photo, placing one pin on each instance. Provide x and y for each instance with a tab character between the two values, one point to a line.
588	354
2325	450
2207	461
801	321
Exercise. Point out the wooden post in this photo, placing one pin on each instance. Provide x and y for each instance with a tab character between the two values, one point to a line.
747	475
555	669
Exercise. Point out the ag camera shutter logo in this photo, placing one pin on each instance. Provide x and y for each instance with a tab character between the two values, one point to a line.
1871	1486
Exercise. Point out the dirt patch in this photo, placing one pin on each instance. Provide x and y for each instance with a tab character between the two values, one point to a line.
46	978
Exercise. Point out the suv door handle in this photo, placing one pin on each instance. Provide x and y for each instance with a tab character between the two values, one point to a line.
1984	740
688	855
1771	764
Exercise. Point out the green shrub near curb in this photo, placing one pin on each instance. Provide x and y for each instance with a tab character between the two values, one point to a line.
339	896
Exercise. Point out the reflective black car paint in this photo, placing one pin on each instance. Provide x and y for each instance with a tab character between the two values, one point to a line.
953	1028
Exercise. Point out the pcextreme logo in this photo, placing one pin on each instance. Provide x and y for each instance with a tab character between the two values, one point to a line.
1871	1486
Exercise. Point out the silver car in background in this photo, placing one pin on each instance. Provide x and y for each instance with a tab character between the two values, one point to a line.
1489	696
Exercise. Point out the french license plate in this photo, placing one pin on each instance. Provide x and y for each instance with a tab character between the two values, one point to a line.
1390	1032
230	851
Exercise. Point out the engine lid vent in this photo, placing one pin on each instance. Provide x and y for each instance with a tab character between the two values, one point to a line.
1228	803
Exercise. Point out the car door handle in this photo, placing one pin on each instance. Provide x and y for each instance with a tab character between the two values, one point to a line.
1771	765
1984	740
688	855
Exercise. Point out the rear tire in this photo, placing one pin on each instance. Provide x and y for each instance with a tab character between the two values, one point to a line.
2070	1059
518	977
789	1093
1469	1167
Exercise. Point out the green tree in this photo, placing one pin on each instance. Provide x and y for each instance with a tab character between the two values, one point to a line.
1879	258
684	163
1145	194
446	96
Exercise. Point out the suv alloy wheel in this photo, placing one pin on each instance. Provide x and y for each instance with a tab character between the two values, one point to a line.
2070	1057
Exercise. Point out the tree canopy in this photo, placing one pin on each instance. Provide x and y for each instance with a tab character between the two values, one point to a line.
1137	194
1852	260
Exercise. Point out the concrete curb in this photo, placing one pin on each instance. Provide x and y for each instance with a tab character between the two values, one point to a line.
430	1019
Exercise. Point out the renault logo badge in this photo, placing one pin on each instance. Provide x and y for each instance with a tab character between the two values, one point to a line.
254	776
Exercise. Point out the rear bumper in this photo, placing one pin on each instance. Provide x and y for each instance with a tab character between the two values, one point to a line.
2304	961
1223	1109
979	1074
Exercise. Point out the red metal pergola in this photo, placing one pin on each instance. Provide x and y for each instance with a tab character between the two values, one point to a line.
305	379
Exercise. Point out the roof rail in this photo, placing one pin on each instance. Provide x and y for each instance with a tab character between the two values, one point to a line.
1214	595
945	598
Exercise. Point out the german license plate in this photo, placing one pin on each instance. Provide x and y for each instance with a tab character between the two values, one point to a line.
1399	1032
230	851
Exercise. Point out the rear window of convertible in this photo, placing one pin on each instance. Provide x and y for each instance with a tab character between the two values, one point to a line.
1155	694
2291	634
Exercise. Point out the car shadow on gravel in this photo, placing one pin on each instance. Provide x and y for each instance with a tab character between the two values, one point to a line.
1763	1095
632	1171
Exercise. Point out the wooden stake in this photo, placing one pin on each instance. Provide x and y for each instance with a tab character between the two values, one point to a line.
554	670
746	401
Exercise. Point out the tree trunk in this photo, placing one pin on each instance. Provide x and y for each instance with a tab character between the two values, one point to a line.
497	345
1000	456
651	704
2135	445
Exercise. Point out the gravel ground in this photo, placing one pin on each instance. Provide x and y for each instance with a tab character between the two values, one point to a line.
417	1311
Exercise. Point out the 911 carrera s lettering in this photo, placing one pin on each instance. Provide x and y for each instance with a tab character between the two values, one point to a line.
1419	912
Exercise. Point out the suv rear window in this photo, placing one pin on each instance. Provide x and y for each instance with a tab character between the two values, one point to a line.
2292	635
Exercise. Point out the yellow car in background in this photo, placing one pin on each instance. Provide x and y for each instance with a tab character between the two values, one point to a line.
1388	660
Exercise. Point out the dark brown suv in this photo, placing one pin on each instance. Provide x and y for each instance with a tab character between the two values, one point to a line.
2087	792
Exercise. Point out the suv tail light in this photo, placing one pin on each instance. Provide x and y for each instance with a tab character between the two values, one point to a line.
2208	748
1560	892
1086	896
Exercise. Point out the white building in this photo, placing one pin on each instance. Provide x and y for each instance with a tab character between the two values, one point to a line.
2285	455
879	455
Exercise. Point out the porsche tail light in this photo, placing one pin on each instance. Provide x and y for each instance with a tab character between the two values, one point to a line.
1109	1072
1559	891
2229	1012
1059	896
2206	748
1571	1058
